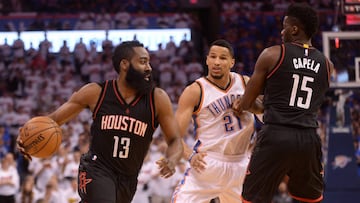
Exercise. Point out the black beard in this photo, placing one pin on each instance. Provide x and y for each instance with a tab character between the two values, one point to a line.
136	80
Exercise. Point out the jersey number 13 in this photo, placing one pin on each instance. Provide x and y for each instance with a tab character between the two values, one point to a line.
121	147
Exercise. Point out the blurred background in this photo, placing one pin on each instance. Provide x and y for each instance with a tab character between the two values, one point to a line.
50	48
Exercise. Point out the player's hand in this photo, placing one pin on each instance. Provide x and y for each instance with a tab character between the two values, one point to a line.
20	146
237	109
166	167
197	161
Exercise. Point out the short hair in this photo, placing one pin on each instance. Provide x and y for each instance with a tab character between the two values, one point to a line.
307	17
124	51
224	43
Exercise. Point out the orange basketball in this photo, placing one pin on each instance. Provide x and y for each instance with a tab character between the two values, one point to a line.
41	136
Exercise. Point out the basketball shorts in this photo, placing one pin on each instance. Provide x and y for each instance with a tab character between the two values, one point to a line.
223	178
285	151
99	184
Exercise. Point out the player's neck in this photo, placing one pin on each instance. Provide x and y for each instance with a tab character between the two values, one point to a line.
303	42
223	83
128	93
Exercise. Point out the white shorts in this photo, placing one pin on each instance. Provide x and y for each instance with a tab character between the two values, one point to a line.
223	178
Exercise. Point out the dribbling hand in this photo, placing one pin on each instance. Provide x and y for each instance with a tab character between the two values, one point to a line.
20	145
166	167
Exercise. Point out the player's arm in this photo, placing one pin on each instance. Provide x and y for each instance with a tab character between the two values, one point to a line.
257	106
86	96
171	131
188	100
331	68
264	64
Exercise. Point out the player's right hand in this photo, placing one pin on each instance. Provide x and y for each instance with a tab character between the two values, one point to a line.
197	162
20	146
235	106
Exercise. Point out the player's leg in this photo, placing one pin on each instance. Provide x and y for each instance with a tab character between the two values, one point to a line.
188	191
306	177
126	188
268	164
199	187
235	176
95	185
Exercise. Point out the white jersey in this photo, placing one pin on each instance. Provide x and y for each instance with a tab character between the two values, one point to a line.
218	129
225	138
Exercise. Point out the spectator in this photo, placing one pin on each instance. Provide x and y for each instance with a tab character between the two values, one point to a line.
64	53
28	193
18	48
9	179
80	53
122	19
43	170
5	142
71	194
140	21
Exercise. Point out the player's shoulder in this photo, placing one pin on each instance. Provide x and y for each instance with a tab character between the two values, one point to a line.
91	87
194	88
275	48
160	94
158	90
161	98
271	54
241	77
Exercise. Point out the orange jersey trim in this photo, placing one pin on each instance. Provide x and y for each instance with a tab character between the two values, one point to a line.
306	199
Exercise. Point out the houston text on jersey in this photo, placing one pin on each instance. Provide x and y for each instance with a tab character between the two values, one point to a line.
123	123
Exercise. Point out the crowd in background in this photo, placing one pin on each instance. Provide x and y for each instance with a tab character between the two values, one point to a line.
36	81
146	6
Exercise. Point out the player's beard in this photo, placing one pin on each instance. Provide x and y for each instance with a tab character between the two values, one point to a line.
136	80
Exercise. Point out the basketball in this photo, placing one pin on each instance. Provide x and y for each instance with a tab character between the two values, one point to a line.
41	136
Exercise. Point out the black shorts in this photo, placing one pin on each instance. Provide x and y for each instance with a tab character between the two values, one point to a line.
280	151
99	184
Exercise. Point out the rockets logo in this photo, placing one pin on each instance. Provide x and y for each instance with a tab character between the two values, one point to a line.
83	181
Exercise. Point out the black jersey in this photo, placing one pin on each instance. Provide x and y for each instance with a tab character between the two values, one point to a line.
296	87
121	133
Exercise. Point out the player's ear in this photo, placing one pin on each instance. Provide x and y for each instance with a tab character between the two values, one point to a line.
295	29
124	64
232	62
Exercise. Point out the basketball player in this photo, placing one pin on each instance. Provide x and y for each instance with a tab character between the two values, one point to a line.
126	112
294	77
221	152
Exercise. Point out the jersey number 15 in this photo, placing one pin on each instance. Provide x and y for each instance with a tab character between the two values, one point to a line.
295	99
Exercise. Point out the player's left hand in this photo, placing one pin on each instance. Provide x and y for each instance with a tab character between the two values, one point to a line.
166	167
